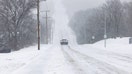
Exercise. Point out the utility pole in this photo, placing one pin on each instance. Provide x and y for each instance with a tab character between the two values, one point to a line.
38	9
105	31
47	31
52	30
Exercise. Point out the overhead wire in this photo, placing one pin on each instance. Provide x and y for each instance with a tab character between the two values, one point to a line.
46	5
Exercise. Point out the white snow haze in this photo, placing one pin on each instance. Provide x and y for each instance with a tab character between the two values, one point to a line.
112	56
62	30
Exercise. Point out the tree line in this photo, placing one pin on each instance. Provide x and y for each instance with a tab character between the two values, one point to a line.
113	18
18	25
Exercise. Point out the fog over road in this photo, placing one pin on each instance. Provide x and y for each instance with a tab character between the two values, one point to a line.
62	30
73	59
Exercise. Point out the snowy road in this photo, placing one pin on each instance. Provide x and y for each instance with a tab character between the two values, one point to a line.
65	60
88	64
51	61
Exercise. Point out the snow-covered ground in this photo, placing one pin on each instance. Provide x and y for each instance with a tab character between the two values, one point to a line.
15	60
119	45
117	55
78	59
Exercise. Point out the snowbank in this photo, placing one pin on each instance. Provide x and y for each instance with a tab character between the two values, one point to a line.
119	45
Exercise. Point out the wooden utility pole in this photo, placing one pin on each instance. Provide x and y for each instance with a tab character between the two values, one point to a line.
38	13
52	31
47	31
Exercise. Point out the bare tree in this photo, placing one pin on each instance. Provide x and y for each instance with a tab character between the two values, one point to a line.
128	17
92	23
114	11
14	13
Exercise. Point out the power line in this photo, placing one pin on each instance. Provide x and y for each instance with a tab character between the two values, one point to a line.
46	6
47	31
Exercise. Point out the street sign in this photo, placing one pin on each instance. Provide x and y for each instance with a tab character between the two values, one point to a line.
93	37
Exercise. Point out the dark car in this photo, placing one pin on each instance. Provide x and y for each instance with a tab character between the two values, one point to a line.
4	49
64	42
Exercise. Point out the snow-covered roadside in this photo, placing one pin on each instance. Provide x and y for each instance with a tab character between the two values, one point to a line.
119	45
15	60
118	53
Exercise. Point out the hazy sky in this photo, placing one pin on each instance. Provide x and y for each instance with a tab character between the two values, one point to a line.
75	5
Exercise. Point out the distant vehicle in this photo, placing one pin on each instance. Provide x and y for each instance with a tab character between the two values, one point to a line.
64	42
